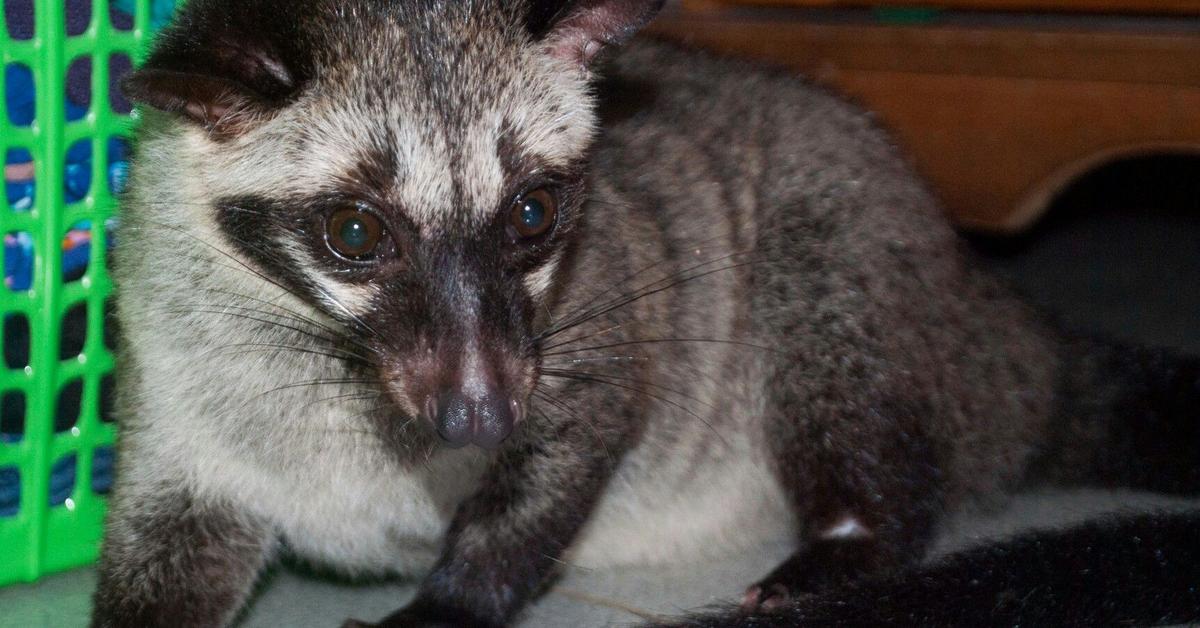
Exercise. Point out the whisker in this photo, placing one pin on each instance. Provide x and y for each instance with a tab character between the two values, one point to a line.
585	336
188	309
552	372
279	346
319	382
651	284
637	273
255	247
354	396
610	358
294	314
333	342
627	343
636	297
603	361
648	394
547	397
222	252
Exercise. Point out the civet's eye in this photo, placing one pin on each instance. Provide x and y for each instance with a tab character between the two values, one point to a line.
533	213
353	233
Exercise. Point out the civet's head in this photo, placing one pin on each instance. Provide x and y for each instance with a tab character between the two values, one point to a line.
411	167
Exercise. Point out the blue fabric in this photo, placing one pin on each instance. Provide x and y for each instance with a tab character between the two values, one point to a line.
19	94
10	491
62	480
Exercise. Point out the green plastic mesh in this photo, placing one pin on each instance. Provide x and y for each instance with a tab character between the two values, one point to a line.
56	522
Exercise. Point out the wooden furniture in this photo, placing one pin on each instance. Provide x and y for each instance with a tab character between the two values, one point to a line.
1126	7
999	112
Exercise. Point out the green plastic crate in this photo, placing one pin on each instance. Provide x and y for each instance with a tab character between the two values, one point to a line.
41	537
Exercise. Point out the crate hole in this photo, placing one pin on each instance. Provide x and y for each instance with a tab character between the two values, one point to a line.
120	14
112	328
16	341
12	416
18	17
76	251
18	179
79	15
62	480
118	66
10	491
74	332
79	89
19	94
18	261
119	154
102	470
66	412
77	177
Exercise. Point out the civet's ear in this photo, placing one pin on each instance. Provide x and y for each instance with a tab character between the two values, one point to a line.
578	30
223	65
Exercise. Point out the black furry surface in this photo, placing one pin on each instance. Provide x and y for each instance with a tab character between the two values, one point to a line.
1139	570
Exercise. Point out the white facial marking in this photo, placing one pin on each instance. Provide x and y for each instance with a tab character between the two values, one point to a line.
538	281
342	297
481	173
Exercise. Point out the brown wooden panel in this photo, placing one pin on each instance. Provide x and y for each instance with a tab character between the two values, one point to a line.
1142	7
996	119
997	149
1167	57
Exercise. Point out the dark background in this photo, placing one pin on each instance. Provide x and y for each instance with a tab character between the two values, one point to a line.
1118	253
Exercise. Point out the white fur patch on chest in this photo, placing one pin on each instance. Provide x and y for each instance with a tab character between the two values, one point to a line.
658	512
357	519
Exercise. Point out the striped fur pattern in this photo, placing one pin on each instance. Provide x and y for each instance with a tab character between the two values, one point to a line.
748	320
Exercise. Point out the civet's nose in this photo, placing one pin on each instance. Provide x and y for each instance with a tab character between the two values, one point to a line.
485	419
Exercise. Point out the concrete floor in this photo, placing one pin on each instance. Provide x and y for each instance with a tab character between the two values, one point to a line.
1132	274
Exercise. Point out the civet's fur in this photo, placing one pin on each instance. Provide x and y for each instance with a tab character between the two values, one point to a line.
751	318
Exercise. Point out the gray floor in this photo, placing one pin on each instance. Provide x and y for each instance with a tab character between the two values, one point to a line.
1130	273
583	598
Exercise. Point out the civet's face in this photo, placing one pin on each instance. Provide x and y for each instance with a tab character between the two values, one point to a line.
413	169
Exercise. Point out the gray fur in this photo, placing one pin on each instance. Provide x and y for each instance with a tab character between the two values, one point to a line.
826	323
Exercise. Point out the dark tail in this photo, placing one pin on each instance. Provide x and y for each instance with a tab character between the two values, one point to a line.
1128	417
1142	570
